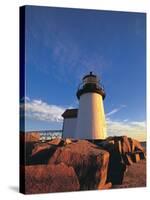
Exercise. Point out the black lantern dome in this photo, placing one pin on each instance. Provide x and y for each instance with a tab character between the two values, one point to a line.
90	83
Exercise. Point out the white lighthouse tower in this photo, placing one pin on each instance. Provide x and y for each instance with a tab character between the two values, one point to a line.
91	117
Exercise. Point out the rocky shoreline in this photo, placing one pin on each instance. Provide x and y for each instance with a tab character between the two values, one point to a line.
63	165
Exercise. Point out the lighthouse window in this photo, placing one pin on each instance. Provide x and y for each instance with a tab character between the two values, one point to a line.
90	80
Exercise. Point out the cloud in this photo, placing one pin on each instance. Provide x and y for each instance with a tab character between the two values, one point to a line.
140	124
125	120
112	112
136	129
75	60
68	57
39	110
115	110
24	99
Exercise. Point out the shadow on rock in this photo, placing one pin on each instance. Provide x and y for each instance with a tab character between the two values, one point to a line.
123	151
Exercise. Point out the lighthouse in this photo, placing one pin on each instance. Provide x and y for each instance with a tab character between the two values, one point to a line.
91	122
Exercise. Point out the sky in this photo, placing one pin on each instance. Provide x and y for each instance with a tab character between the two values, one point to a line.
62	45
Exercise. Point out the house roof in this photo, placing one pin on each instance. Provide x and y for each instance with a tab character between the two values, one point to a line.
70	113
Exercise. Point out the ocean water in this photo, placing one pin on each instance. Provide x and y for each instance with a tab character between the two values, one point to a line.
50	134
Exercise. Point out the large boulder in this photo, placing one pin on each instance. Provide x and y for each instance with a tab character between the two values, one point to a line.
30	136
88	160
124	146
50	178
136	145
123	151
38	147
41	152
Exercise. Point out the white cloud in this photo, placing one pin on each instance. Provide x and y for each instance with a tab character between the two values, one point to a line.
115	110
140	124
125	120
136	129
112	112
24	99
39	110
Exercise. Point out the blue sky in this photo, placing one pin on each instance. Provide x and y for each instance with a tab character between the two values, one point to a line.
62	45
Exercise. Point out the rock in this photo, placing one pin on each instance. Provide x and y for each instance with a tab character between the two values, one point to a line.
117	146
41	153
56	141
128	159
67	141
30	136
126	147
98	164
123	151
116	168
142	155
38	147
89	162
136	145
135	157
105	186
135	176
27	142
50	178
